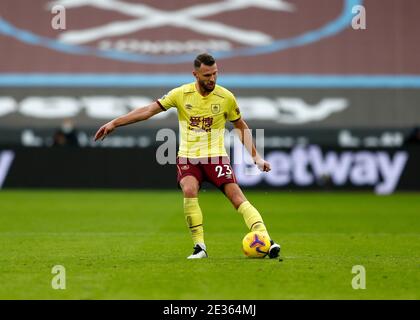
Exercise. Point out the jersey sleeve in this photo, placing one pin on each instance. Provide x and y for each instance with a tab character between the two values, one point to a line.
170	100
234	113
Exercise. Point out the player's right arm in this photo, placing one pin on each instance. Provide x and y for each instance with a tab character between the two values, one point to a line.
138	114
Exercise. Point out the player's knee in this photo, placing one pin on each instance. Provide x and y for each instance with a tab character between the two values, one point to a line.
237	199
190	190
234	194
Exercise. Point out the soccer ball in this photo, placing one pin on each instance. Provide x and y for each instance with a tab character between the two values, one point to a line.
256	244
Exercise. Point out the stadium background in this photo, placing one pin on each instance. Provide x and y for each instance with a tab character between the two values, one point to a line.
306	77
320	83
339	108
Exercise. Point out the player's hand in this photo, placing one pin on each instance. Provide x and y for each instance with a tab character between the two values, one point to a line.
104	131
263	165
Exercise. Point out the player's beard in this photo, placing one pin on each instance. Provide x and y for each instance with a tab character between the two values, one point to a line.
207	87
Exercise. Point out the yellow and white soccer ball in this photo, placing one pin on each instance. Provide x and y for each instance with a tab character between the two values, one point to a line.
256	244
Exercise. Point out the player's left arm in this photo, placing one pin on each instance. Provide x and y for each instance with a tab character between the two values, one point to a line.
245	136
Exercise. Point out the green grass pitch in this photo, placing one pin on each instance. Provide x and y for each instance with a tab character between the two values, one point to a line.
133	245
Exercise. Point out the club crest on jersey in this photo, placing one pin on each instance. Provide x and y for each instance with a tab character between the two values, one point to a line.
185	167
215	108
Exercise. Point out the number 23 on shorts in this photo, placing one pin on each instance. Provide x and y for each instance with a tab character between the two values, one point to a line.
220	168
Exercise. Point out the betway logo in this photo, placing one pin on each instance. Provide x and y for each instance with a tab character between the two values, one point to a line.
289	110
6	159
309	166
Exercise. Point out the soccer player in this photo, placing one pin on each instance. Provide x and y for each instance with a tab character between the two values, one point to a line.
203	109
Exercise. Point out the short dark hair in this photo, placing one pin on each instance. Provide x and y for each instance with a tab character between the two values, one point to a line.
204	58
